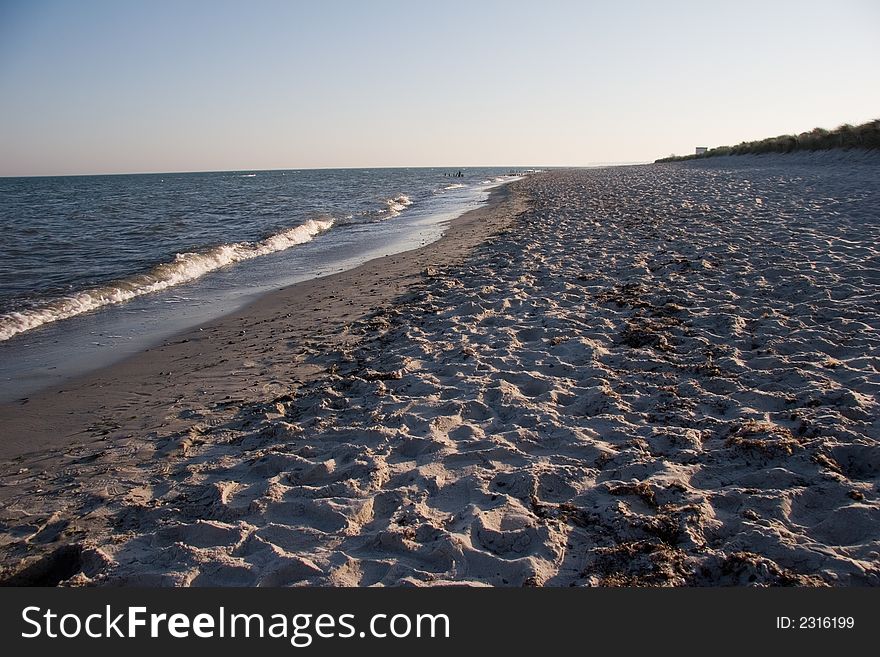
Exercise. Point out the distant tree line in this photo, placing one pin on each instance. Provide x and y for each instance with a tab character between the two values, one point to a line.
865	136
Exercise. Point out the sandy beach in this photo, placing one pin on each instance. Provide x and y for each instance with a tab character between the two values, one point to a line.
648	375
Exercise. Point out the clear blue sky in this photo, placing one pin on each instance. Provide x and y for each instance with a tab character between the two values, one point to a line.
123	86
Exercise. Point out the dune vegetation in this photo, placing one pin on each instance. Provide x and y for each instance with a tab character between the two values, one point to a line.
864	136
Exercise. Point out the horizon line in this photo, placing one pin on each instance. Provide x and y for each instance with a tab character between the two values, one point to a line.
352	168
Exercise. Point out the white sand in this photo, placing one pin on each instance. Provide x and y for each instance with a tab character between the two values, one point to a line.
659	375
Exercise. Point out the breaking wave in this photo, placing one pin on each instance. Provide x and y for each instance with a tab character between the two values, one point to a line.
184	268
396	205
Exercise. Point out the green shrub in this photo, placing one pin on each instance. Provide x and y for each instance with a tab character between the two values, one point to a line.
865	136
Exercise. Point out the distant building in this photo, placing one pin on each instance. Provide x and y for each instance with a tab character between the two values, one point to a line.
701	150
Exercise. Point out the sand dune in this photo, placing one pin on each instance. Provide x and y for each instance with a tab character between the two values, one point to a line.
655	375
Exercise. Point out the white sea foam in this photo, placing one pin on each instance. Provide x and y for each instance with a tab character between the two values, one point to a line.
455	186
184	268
396	205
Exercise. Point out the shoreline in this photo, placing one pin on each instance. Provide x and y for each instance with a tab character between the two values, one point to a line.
60	349
308	310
